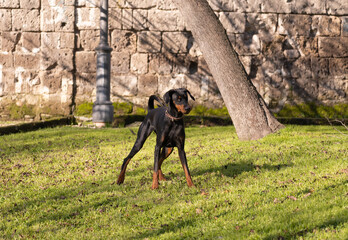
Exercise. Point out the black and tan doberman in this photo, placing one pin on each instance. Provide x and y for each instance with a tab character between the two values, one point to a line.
167	122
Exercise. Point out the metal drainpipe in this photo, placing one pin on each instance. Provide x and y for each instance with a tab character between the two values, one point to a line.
103	110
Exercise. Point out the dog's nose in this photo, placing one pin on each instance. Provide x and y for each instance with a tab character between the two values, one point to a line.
188	109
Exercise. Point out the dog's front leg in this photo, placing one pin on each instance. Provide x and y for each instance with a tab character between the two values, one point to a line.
156	167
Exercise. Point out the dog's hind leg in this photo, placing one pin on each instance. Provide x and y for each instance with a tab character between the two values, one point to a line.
143	133
183	160
166	151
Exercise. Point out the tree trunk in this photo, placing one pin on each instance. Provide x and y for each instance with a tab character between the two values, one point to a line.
248	111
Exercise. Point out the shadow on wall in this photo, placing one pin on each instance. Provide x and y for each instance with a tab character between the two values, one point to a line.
151	54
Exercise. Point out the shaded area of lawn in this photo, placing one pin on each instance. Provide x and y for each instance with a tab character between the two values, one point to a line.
60	184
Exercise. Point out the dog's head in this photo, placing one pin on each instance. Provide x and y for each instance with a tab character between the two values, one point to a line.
178	99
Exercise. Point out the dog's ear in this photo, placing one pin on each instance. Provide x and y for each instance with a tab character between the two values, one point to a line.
190	94
167	97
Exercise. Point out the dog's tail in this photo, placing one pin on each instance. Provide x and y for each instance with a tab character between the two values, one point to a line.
151	102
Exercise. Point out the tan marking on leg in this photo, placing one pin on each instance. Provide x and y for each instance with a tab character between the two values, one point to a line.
188	178
121	177
155	180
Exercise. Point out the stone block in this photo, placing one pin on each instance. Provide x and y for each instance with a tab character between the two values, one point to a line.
65	59
86	62
120	62
127	19
269	71
50	40
61	59
47	23
309	7
9	4
183	63
320	67
345	27
147	85
123	41
262	24
159	20
277	6
85	86
337	7
247	44
233	22
1	85
9	40
167	82
89	39
25	20
31	42
305	89
301	68
5	20
64	18
291	53
159	63
25	80
6	60
67	40
86	18
54	3
51	80
333	46
139	63
149	42
307	46
166	5
222	5
247	6
140	19
333	88
67	87
175	42
194	85
115	18
138	3
57	40
295	25
338	67
327	25
91	3
124	85
7	79
30	4
27	60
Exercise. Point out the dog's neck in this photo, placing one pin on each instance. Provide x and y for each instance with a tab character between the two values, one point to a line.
173	118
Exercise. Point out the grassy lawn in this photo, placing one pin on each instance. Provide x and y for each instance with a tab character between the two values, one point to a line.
60	184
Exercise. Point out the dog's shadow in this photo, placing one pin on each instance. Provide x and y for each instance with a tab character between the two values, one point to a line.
234	169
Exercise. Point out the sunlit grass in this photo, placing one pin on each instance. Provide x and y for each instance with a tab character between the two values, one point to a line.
60	184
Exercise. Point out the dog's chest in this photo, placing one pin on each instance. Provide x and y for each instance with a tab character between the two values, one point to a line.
173	136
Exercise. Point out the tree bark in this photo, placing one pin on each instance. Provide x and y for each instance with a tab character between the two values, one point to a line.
249	113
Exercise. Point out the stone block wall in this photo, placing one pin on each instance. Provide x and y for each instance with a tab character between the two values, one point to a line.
293	51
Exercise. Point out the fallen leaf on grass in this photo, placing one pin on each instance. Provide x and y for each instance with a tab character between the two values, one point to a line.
292	198
204	193
199	211
307	195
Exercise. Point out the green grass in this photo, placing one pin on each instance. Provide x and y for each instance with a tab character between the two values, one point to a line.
60	184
